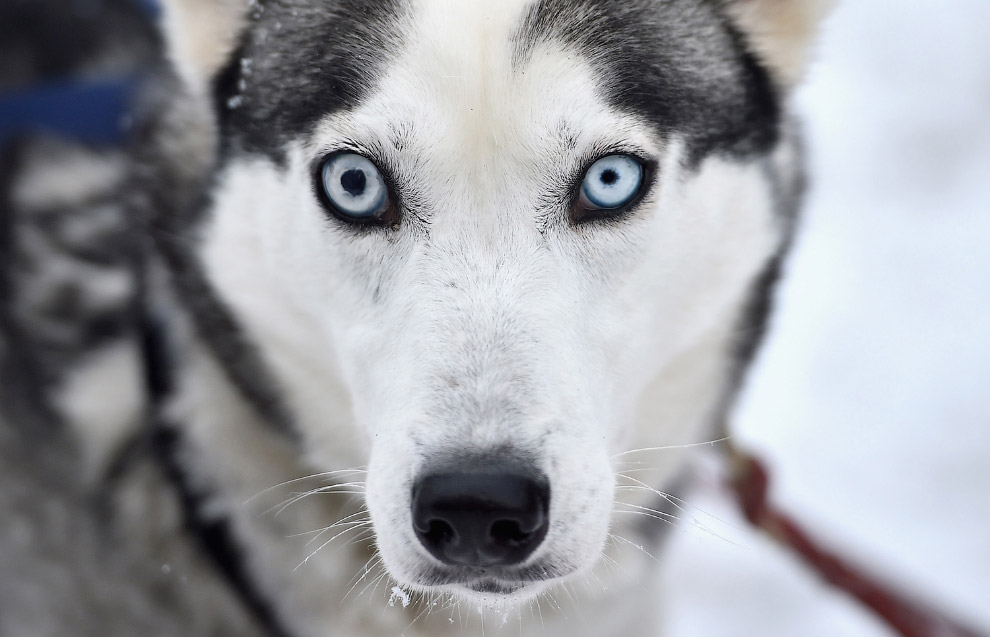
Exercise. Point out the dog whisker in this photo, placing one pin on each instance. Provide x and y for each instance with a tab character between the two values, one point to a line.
675	522
364	536
635	546
601	584
304	533
648	512
385	577
556	604
611	563
425	611
663	494
343	488
675	501
366	523
365	531
375	561
709	443
374	582
323	474
641	469
346	518
573	601
366	568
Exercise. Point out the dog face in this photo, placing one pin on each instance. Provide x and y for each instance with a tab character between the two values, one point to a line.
473	242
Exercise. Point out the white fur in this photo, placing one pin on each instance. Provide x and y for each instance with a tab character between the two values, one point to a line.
780	30
64	175
202	34
102	400
488	320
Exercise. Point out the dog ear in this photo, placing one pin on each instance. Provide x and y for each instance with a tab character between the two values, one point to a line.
781	32
202	34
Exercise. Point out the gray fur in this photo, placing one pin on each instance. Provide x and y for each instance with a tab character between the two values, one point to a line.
113	552
82	551
114	561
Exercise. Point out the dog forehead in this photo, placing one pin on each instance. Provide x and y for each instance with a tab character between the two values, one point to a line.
302	60
459	82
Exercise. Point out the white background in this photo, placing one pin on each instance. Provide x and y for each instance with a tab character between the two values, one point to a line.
871	398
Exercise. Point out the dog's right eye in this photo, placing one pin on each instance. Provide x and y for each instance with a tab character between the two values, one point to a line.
353	188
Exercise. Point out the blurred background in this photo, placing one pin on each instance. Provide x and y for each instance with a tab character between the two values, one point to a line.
871	399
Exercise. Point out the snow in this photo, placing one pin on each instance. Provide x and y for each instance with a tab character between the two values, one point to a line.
872	397
397	594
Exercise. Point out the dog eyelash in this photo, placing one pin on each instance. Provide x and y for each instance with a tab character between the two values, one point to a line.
580	212
392	216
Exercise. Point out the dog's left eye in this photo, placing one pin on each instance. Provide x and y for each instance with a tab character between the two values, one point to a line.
609	184
355	190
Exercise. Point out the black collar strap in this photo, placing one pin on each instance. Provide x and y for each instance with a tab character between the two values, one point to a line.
213	534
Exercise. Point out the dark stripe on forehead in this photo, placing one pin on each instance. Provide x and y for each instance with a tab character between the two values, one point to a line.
300	60
678	63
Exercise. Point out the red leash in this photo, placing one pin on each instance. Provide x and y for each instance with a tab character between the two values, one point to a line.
908	616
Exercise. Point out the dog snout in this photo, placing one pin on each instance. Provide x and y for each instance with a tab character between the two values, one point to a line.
481	519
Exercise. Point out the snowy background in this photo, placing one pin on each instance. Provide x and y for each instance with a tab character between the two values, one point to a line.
872	397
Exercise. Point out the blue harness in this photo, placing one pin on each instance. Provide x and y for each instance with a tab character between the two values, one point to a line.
94	112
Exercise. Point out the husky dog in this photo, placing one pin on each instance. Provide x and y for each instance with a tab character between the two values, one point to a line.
452	261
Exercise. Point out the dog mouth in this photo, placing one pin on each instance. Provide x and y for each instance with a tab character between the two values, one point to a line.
496	592
491	586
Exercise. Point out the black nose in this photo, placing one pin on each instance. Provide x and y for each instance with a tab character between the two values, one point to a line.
481	519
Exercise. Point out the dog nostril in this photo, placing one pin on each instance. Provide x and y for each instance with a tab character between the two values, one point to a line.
481	519
439	532
508	532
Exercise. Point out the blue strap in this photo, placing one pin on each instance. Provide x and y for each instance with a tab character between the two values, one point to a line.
93	112
151	8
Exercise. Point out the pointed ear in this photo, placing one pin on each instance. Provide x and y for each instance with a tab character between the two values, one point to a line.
781	32
202	34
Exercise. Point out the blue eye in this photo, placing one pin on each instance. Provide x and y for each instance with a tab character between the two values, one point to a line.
612	182
354	188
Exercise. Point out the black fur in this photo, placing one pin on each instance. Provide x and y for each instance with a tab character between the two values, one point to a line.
214	535
322	57
754	319
713	91
216	325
